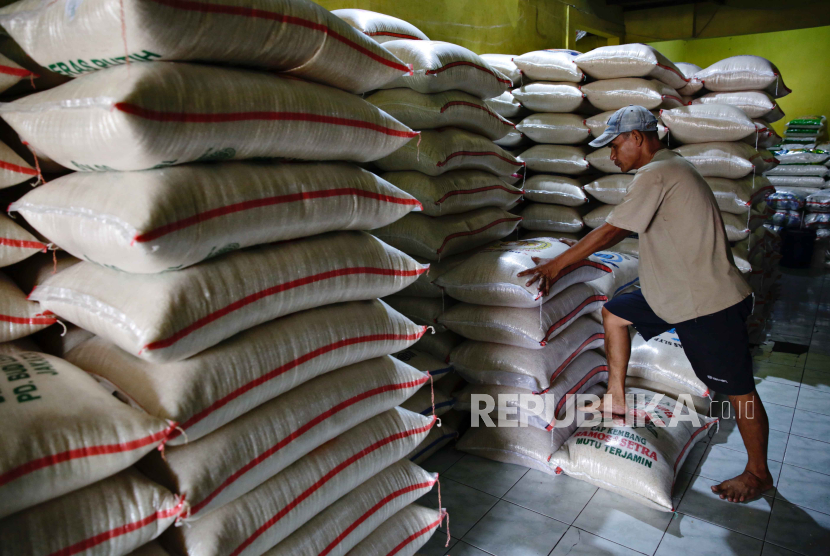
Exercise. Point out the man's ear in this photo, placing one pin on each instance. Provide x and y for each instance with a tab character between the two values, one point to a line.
638	137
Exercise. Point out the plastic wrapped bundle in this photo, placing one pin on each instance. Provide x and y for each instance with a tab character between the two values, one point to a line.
551	218
613	94
744	73
543	96
560	129
630	60
505	65
555	190
704	123
556	159
550	65
381	27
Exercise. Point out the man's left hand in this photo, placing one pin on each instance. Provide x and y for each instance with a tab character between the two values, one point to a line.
545	272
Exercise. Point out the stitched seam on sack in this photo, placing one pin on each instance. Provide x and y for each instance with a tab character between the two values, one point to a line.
122	227
105	103
476	190
478	153
477	231
105	312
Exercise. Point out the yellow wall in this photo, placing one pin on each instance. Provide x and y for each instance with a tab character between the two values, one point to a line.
801	56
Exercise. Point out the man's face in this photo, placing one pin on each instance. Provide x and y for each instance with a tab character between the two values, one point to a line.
625	150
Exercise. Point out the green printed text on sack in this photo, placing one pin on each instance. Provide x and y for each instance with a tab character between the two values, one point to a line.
73	68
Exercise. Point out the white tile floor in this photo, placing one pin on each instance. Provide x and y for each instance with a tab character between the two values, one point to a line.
507	510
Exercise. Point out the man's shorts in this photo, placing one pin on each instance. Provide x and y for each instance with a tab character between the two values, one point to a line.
717	345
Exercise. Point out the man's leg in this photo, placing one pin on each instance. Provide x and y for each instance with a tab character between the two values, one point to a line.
618	352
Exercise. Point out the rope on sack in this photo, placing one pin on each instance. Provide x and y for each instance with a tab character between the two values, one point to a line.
40	179
443	511
432	396
124	34
418	148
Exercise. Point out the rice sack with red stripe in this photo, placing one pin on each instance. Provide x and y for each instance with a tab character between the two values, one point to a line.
530	328
439	151
630	60
552	218
423	311
531	369
213	388
424	362
438	437
441	236
557	159
693	85
63	431
11	73
662	359
16	243
171	218
297	37
341	526
13	169
222	466
156	115
705	123
624	276
423	286
20	317
114	516
257	521
613	94
506	106
737	196
439	345
504	64
491	276
380	27
543	96
550	65
170	316
403	534
446	109
638	458
427	402
562	129
441	66
744	73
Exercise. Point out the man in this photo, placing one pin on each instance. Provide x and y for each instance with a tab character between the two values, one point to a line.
689	283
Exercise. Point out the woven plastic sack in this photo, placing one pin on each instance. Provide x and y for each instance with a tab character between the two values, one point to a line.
555	190
628	246
737	196
755	104
765	136
20	317
168	219
704	123
11	73
505	65
722	159
819	202
613	94
447	109
422	311
530	328
560	129
424	362
424	286
441	66
792	182
344	524
491	276
456	192
403	534
693	84
439	345
630	60
550	65
801	156
625	274
744	73
556	159
439	151
736	226
610	189
544	96
238	457
699	404
598	122
600	160
154	115
438	437
551	218
434	237
598	216
13	169
16	244
637	462
293	36
505	105
113	516
816	220
213	388
63	431
799	170
381	27
787	200
428	402
512	140
662	359
789	219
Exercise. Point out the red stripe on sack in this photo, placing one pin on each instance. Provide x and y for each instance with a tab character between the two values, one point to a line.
326	478
476	190
85	452
374	509
472	65
267	202
91	542
478	231
591	373
27	320
675	70
390	34
301	431
282	18
680	100
686	447
473	105
23	244
247	300
17	168
205	118
570	315
482	153
571	357
415	535
218	404
17	72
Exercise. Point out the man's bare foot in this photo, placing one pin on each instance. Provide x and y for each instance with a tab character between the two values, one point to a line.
743	488
617	407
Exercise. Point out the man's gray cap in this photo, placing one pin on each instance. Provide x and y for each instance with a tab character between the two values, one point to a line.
630	118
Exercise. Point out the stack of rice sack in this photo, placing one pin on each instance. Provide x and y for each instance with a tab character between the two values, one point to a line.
817	216
234	304
805	132
802	165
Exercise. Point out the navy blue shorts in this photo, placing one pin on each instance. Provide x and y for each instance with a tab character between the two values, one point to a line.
717	345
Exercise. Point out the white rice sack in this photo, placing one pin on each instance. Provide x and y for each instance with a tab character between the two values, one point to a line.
630	60
610	189
598	122
550	65
726	159
638	462
819	202
344	524
554	190
155	115
544	96
171	218
699	404
297	37
561	129
792	181
556	159
693	85
600	160
736	226
439	345
624	276
447	109
505	65
505	105
662	359
114	516
213	388
491	275
381	27
512	140
423	286
613	94
173	315
437	237
403	533
737	196
428	402
63	431
744	73
420	310
424	362
801	156
764	137
704	123
441	66
455	192
530	328
755	104
16	244
551	218
439	151
438	437
20	317
11	73
598	216
13	169
628	246
38	268
819	170
258	520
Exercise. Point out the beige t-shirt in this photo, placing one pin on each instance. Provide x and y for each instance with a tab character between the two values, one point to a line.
686	265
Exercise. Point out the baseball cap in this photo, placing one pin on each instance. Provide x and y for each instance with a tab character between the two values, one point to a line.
630	118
